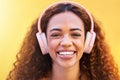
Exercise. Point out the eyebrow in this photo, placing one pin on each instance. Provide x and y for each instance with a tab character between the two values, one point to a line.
73	29
55	29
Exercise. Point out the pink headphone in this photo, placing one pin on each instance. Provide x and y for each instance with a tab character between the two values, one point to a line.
90	37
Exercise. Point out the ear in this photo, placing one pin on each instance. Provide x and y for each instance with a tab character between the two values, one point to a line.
42	42
90	39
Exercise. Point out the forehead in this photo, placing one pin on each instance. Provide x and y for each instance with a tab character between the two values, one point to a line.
65	18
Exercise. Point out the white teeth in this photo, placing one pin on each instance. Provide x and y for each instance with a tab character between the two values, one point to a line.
66	53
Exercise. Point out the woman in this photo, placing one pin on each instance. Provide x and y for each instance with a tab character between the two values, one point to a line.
61	50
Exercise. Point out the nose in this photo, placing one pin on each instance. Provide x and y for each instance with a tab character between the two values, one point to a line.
66	41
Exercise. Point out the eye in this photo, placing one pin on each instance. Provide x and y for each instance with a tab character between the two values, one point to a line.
55	35
76	34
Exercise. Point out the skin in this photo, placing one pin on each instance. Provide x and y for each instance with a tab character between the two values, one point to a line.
65	34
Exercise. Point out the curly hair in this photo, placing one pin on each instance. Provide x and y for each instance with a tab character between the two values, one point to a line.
31	64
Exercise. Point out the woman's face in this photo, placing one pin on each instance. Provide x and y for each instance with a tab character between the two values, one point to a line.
65	37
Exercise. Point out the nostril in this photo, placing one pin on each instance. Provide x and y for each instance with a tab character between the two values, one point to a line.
66	42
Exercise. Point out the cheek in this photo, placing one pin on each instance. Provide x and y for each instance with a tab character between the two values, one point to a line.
52	45
80	49
80	45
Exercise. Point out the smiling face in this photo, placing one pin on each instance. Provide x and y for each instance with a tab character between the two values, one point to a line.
65	36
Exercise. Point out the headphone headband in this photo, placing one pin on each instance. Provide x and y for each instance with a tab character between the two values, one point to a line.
65	2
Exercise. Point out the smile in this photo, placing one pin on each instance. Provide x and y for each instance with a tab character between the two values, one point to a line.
66	53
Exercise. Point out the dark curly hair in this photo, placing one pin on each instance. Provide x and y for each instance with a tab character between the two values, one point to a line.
32	65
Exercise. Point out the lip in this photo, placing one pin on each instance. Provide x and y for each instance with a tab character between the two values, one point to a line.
69	54
66	50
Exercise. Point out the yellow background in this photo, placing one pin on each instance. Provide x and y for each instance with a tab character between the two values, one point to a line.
17	15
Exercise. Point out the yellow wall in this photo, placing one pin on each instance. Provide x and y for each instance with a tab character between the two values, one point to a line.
17	15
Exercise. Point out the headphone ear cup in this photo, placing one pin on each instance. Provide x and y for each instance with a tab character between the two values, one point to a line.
42	42
90	39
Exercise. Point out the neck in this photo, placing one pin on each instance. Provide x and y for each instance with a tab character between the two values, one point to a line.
63	73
